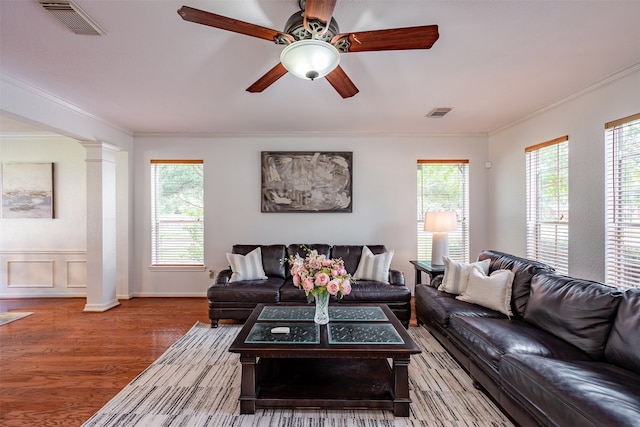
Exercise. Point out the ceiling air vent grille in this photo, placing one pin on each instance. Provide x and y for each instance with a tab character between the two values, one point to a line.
438	113
72	17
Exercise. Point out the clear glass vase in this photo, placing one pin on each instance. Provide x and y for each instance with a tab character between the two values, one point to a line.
322	308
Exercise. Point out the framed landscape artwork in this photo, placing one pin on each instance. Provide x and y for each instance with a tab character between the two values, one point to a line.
27	190
307	181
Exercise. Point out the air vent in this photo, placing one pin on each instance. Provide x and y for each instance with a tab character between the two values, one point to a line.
438	113
72	17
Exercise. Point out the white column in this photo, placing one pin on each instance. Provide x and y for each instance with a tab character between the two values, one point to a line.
101	226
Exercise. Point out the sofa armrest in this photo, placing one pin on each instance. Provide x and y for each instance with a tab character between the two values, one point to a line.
396	277
436	281
223	277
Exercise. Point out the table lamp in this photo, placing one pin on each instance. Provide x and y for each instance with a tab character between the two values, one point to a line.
440	224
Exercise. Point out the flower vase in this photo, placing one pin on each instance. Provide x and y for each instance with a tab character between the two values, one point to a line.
322	308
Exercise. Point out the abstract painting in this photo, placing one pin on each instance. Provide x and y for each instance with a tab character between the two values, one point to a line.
307	181
27	190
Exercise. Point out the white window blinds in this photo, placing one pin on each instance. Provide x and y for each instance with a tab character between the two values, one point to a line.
177	212
623	202
547	169
443	185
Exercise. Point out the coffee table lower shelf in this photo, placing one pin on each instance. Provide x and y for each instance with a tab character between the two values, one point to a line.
328	383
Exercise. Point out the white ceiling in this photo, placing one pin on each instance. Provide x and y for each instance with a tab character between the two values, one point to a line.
495	63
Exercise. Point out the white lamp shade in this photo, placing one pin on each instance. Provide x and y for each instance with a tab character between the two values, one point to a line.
310	59
440	221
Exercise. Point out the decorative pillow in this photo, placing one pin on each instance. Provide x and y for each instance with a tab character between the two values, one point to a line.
492	291
374	267
246	267
456	274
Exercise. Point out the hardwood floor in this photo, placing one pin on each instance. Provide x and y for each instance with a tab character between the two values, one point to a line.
61	365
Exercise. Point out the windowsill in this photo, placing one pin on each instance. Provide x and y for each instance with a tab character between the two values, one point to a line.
177	267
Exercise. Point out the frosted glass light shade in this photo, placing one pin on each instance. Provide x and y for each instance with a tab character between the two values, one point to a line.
310	59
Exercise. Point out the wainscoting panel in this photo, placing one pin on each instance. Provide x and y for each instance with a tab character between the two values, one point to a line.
30	274
43	274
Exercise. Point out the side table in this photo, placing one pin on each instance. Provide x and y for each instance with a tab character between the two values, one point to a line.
427	267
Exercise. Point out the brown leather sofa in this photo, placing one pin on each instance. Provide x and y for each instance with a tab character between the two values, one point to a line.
569	355
236	300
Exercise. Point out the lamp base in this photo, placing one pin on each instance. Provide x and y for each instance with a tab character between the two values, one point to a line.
439	247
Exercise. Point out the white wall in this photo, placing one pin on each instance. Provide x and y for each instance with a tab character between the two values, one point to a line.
384	199
582	118
47	256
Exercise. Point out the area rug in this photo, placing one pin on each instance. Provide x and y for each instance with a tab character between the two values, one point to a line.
13	315
196	382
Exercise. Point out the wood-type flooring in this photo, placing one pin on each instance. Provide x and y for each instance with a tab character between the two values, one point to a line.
60	365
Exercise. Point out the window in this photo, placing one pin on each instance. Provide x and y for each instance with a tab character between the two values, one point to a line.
623	202
548	203
443	185
177	212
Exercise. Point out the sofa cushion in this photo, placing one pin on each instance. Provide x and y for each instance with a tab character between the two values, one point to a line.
272	258
492	291
246	267
244	292
574	393
456	274
373	267
491	338
580	312
623	347
523	270
439	306
351	254
367	291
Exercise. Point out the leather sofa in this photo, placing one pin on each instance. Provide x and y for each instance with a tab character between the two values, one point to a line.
569	355
236	300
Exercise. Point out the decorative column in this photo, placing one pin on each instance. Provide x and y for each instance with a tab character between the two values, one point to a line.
101	226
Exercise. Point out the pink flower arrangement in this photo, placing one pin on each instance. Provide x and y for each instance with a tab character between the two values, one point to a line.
316	273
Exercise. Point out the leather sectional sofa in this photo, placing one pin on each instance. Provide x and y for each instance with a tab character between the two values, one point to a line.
236	300
569	355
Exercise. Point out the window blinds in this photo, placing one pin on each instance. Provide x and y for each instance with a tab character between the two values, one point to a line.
622	139
443	185
177	212
547	170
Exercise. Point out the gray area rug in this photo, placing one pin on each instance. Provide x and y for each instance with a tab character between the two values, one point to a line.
13	315
196	382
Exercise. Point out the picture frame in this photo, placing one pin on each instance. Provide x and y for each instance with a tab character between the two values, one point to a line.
307	181
27	190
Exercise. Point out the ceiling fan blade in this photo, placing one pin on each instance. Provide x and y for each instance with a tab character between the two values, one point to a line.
268	79
322	10
342	83
224	23
422	37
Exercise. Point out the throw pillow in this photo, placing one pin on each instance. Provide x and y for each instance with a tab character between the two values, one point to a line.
246	267
492	291
456	274
374	267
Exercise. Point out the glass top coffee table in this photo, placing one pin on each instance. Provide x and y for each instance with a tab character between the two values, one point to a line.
288	361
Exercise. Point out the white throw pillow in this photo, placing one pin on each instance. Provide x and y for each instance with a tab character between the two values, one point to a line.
374	267
246	267
456	274
492	291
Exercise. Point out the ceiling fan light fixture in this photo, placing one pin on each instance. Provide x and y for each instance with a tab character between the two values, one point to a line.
310	59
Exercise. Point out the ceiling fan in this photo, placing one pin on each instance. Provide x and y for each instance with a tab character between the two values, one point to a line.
314	43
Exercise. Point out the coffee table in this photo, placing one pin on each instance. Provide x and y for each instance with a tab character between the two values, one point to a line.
360	359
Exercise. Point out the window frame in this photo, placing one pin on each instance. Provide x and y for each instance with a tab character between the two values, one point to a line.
459	239
548	239
622	216
156	223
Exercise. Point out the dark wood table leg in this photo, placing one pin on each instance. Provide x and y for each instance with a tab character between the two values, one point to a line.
418	275
248	386
401	398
